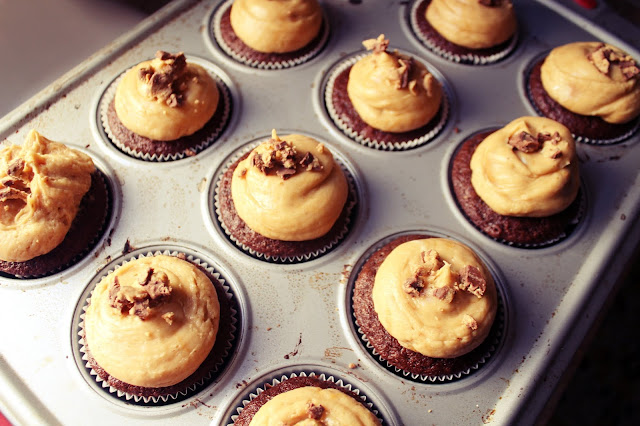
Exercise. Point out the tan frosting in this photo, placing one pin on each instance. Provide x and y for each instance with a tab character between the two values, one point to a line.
301	207
574	81
176	337
150	115
472	24
536	184
300	407
380	96
445	319
41	185
276	26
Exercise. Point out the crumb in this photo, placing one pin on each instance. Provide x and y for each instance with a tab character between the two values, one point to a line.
353	365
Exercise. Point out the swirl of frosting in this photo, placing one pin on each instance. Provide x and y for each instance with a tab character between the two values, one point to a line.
166	98
392	92
532	181
152	321
475	24
289	189
435	296
276	26
593	78
310	405
41	186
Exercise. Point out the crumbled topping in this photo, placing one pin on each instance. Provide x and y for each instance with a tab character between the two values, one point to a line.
281	158
15	186
155	289
524	142
431	278
166	82
470	322
168	317
605	56
416	284
378	45
471	280
314	412
444	293
527	143
406	67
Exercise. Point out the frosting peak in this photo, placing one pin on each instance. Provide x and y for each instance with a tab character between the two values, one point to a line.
527	168
392	92
593	79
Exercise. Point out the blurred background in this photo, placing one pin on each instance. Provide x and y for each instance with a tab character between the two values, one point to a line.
41	40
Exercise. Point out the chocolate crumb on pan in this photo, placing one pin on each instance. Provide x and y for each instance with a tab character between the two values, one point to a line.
428	36
235	48
211	368
389	353
522	232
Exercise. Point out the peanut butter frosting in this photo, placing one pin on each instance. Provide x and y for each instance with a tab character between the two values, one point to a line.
276	26
289	189
41	185
312	405
475	24
528	168
392	92
436	297
152	321
594	79
166	98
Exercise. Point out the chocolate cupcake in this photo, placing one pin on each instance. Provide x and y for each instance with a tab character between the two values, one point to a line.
590	87
165	109
477	32
285	201
386	100
270	35
157	328
532	199
396	291
54	203
314	397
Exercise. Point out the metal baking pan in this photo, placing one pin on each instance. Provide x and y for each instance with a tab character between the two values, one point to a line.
297	316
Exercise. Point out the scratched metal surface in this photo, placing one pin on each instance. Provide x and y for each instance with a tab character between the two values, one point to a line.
296	317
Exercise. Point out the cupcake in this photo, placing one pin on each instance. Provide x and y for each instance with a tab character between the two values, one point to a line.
520	184
385	99
165	109
476	32
53	207
425	307
271	34
285	201
306	400
592	88
154	327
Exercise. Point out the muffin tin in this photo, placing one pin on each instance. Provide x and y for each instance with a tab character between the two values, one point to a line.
297	317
